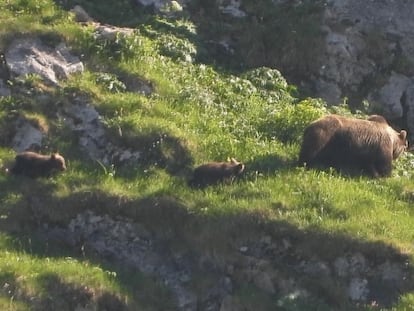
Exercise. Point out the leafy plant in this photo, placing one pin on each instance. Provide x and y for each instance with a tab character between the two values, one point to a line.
110	82
177	48
288	123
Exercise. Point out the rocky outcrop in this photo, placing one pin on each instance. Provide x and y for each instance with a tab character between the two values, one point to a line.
32	56
83	119
27	137
277	267
25	56
369	55
52	63
127	243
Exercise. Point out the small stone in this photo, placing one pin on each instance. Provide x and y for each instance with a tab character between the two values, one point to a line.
244	249
266	239
358	289
286	244
229	303
341	266
264	282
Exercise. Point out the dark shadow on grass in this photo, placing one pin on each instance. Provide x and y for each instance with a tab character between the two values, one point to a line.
303	259
121	13
134	83
24	192
56	294
159	149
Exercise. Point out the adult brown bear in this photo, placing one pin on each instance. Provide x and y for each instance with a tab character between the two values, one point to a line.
345	143
214	172
35	165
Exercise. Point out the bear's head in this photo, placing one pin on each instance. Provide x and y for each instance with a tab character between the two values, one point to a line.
237	166
58	162
400	144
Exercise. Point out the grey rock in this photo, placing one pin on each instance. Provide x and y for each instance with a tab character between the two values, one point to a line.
85	120
341	266
316	268
390	96
229	303
329	91
264	281
344	63
358	289
156	3
243	249
112	239
408	105
358	264
232	7
32	56
27	136
111	33
4	89
363	42
391	272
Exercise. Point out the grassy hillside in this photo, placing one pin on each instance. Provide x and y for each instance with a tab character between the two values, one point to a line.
197	112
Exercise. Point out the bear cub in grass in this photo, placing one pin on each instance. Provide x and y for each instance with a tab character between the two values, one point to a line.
215	172
345	143
35	165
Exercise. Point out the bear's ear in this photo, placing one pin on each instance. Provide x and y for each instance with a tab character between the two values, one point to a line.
234	161
240	167
403	135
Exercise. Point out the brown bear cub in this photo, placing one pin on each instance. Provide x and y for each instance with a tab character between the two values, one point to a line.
350	144
35	165
215	172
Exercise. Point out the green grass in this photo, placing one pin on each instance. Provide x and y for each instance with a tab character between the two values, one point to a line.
196	113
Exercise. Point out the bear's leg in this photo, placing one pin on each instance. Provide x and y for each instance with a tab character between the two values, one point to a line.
372	171
314	140
383	165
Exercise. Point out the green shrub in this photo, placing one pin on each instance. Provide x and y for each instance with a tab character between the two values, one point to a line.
288	123
177	48
110	82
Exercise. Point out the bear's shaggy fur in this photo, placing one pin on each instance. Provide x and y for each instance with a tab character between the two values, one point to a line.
214	172
35	165
365	146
